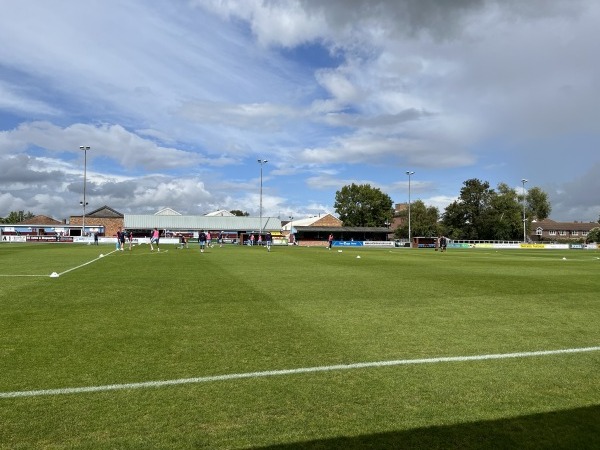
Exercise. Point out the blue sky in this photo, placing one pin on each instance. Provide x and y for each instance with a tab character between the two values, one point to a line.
179	99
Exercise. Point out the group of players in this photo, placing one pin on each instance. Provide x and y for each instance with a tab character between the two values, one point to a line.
127	236
204	239
122	236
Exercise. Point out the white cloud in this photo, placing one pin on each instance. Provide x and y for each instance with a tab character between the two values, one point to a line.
274	23
109	141
14	98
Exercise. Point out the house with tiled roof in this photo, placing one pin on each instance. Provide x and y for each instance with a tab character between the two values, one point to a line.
550	230
39	221
41	226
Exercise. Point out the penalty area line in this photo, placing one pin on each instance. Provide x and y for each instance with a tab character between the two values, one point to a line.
84	264
271	373
15	276
56	275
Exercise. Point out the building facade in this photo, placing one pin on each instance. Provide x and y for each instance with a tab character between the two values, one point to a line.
105	221
550	230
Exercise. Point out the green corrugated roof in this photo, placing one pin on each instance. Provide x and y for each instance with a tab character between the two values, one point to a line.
345	229
223	223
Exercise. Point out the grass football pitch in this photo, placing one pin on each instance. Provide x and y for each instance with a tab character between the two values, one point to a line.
298	348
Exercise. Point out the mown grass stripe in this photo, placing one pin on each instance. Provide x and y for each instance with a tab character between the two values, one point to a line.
270	373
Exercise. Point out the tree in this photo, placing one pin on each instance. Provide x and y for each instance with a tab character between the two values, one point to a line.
504	219
452	220
593	235
466	218
483	213
17	216
363	206
237	212
424	221
537	205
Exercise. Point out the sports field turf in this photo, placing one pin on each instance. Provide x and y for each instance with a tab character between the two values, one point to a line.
298	348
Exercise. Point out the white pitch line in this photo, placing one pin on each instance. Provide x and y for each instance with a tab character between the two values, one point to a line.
85	264
12	276
62	273
271	373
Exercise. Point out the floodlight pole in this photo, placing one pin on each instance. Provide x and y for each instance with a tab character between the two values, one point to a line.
261	162
524	217
85	149
291	228
409	173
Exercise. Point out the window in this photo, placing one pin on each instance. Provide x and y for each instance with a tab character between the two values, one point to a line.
552	232
539	231
562	233
574	233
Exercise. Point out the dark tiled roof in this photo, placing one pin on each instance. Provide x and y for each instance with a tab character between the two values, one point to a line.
105	212
40	220
548	224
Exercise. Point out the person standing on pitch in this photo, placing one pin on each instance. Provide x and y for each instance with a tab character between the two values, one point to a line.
330	241
121	237
443	243
269	239
154	239
183	240
119	232
202	241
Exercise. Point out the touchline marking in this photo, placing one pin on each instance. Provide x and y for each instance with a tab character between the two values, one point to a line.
271	373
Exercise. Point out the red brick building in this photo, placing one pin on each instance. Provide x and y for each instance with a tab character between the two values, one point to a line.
105	221
550	230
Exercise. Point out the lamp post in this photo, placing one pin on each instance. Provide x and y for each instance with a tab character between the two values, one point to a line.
85	148
262	162
409	173
291	229
524	217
